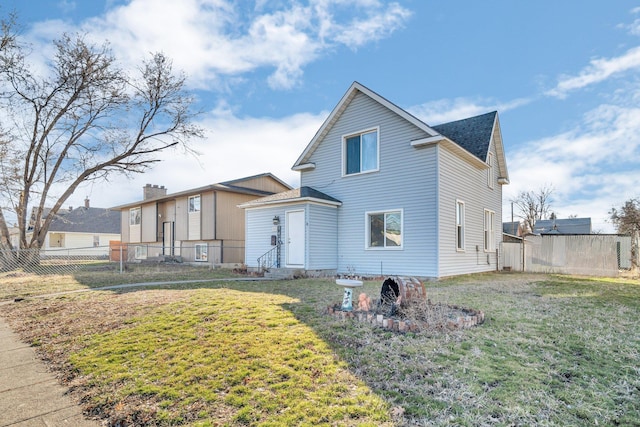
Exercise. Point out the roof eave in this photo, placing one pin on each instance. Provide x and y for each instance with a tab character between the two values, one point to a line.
254	204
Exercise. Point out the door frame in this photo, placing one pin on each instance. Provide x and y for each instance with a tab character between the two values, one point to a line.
170	242
303	236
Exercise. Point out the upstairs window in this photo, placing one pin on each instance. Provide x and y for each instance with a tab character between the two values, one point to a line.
361	152
194	203
135	216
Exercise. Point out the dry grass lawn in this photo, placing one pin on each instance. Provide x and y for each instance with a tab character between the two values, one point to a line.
553	351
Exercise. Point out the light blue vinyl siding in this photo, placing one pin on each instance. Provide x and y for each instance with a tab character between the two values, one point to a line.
406	180
320	234
459	180
322	237
258	231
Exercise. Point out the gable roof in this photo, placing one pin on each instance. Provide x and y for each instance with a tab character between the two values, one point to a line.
304	193
86	220
563	226
234	186
339	109
473	134
471	137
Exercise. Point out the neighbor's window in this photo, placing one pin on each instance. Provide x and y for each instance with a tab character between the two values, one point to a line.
361	152
489	244
459	225
134	216
96	241
194	203
201	252
384	229
490	176
141	252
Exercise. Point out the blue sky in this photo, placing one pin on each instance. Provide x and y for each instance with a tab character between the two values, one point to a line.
563	75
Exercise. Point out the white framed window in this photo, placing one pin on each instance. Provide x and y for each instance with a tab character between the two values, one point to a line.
135	216
459	225
202	252
141	252
360	152
384	230
490	172
194	203
96	241
489	241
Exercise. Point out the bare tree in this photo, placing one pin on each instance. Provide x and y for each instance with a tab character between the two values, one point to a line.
534	205
84	119
626	219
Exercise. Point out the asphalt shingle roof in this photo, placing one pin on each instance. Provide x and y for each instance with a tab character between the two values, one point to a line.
297	193
87	220
473	134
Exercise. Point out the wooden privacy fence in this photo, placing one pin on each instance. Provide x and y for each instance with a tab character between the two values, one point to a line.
592	254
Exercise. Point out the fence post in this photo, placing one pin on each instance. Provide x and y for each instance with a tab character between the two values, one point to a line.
120	258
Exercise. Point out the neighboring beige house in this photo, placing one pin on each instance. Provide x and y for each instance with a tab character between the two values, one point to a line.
200	225
82	231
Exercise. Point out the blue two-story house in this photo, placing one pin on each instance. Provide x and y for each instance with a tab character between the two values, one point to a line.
382	193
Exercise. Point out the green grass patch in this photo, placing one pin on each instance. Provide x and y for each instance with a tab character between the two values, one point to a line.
238	351
554	350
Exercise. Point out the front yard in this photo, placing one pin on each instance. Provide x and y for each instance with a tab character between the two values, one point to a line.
553	351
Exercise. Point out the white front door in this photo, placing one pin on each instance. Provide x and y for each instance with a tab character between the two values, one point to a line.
295	243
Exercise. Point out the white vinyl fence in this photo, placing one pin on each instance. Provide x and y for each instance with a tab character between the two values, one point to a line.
591	255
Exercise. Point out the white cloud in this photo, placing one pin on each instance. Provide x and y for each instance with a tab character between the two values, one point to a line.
215	39
446	110
591	167
235	147
597	71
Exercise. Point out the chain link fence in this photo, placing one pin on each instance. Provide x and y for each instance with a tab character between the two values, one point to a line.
121	258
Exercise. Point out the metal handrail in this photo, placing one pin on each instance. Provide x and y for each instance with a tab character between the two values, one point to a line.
268	259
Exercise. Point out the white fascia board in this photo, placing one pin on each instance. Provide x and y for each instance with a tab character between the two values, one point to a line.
427	141
304	167
289	202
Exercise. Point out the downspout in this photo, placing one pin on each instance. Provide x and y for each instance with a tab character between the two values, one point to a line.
438	204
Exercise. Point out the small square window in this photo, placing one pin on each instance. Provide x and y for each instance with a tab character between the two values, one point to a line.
202	252
384	230
141	252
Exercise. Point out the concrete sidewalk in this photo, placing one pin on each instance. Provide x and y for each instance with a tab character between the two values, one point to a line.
29	394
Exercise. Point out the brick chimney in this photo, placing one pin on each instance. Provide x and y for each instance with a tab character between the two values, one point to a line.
153	191
86	202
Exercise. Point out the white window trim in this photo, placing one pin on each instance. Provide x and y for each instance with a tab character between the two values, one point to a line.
491	241
206	255
189	203
141	252
344	152
490	171
464	214
367	231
